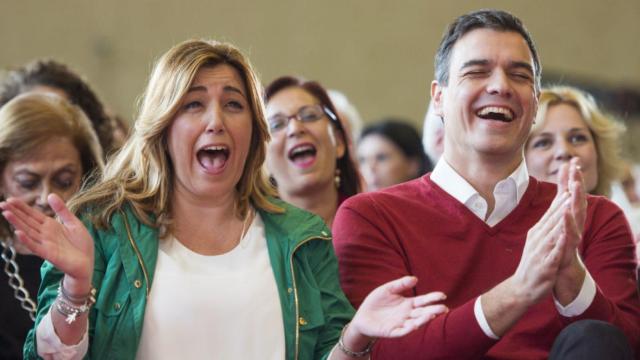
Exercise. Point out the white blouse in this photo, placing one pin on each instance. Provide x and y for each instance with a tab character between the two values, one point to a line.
205	307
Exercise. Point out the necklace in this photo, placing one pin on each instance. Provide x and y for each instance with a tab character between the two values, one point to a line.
15	280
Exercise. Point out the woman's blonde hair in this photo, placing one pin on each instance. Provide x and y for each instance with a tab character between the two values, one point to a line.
30	119
140	173
604	129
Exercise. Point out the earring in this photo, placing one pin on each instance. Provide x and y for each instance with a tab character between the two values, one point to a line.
336	179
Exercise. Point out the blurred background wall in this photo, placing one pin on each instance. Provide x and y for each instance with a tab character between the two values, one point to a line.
379	52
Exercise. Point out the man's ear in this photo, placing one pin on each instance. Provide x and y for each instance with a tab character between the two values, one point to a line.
436	97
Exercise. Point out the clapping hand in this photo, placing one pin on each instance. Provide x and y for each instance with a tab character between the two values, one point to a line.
66	243
385	312
570	180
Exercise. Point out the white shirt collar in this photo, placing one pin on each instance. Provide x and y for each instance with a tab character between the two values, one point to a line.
507	196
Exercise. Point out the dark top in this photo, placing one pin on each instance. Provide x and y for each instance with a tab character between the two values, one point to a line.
15	321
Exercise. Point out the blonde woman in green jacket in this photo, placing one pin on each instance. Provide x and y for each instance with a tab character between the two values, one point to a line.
184	253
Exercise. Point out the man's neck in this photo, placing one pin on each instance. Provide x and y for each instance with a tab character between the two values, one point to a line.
484	172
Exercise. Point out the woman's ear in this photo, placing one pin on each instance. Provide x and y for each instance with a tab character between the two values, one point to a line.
414	168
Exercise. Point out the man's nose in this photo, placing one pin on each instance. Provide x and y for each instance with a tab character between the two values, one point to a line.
499	84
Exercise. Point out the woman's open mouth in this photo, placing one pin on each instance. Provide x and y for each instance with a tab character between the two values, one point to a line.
303	155
213	158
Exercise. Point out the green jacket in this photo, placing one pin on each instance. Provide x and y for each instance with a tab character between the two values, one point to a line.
314	307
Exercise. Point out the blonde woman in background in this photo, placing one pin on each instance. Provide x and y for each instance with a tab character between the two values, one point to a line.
569	124
47	146
185	253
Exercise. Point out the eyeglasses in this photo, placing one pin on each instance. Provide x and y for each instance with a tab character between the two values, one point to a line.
306	114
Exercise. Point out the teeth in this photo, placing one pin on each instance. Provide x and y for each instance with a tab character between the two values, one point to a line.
495	109
302	148
215	148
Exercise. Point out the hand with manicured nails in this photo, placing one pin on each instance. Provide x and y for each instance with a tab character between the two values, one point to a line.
66	243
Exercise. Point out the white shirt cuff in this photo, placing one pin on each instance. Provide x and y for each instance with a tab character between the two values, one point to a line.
582	302
50	347
482	320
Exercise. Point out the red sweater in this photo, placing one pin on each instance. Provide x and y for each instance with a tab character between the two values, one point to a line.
416	228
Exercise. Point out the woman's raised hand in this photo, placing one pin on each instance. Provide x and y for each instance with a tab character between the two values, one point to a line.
65	243
386	313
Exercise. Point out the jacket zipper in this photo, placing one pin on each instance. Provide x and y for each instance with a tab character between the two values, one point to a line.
295	289
137	251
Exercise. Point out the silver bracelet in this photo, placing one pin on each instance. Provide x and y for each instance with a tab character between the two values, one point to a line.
67	305
350	352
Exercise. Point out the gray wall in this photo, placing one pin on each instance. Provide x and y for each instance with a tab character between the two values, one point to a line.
379	52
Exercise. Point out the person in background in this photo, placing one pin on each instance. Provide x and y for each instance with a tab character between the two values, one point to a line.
185	253
121	130
348	112
51	76
308	156
569	124
47	146
390	152
433	135
626	193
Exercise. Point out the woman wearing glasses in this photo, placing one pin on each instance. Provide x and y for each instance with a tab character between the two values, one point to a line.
308	157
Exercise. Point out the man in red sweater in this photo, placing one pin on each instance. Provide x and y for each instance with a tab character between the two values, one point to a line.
531	271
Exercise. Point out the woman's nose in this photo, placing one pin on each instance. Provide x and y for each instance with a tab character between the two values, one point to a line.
215	123
564	151
295	127
41	202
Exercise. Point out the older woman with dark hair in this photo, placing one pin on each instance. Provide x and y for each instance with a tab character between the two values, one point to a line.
390	152
47	146
308	156
185	253
50	76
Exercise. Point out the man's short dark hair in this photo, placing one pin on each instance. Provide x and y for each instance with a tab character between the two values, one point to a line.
482	19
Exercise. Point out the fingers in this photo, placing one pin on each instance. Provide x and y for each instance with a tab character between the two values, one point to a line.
558	202
571	230
20	208
23	217
563	178
399	285
578	193
33	245
429	298
59	207
554	257
26	225
552	219
429	311
417	318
